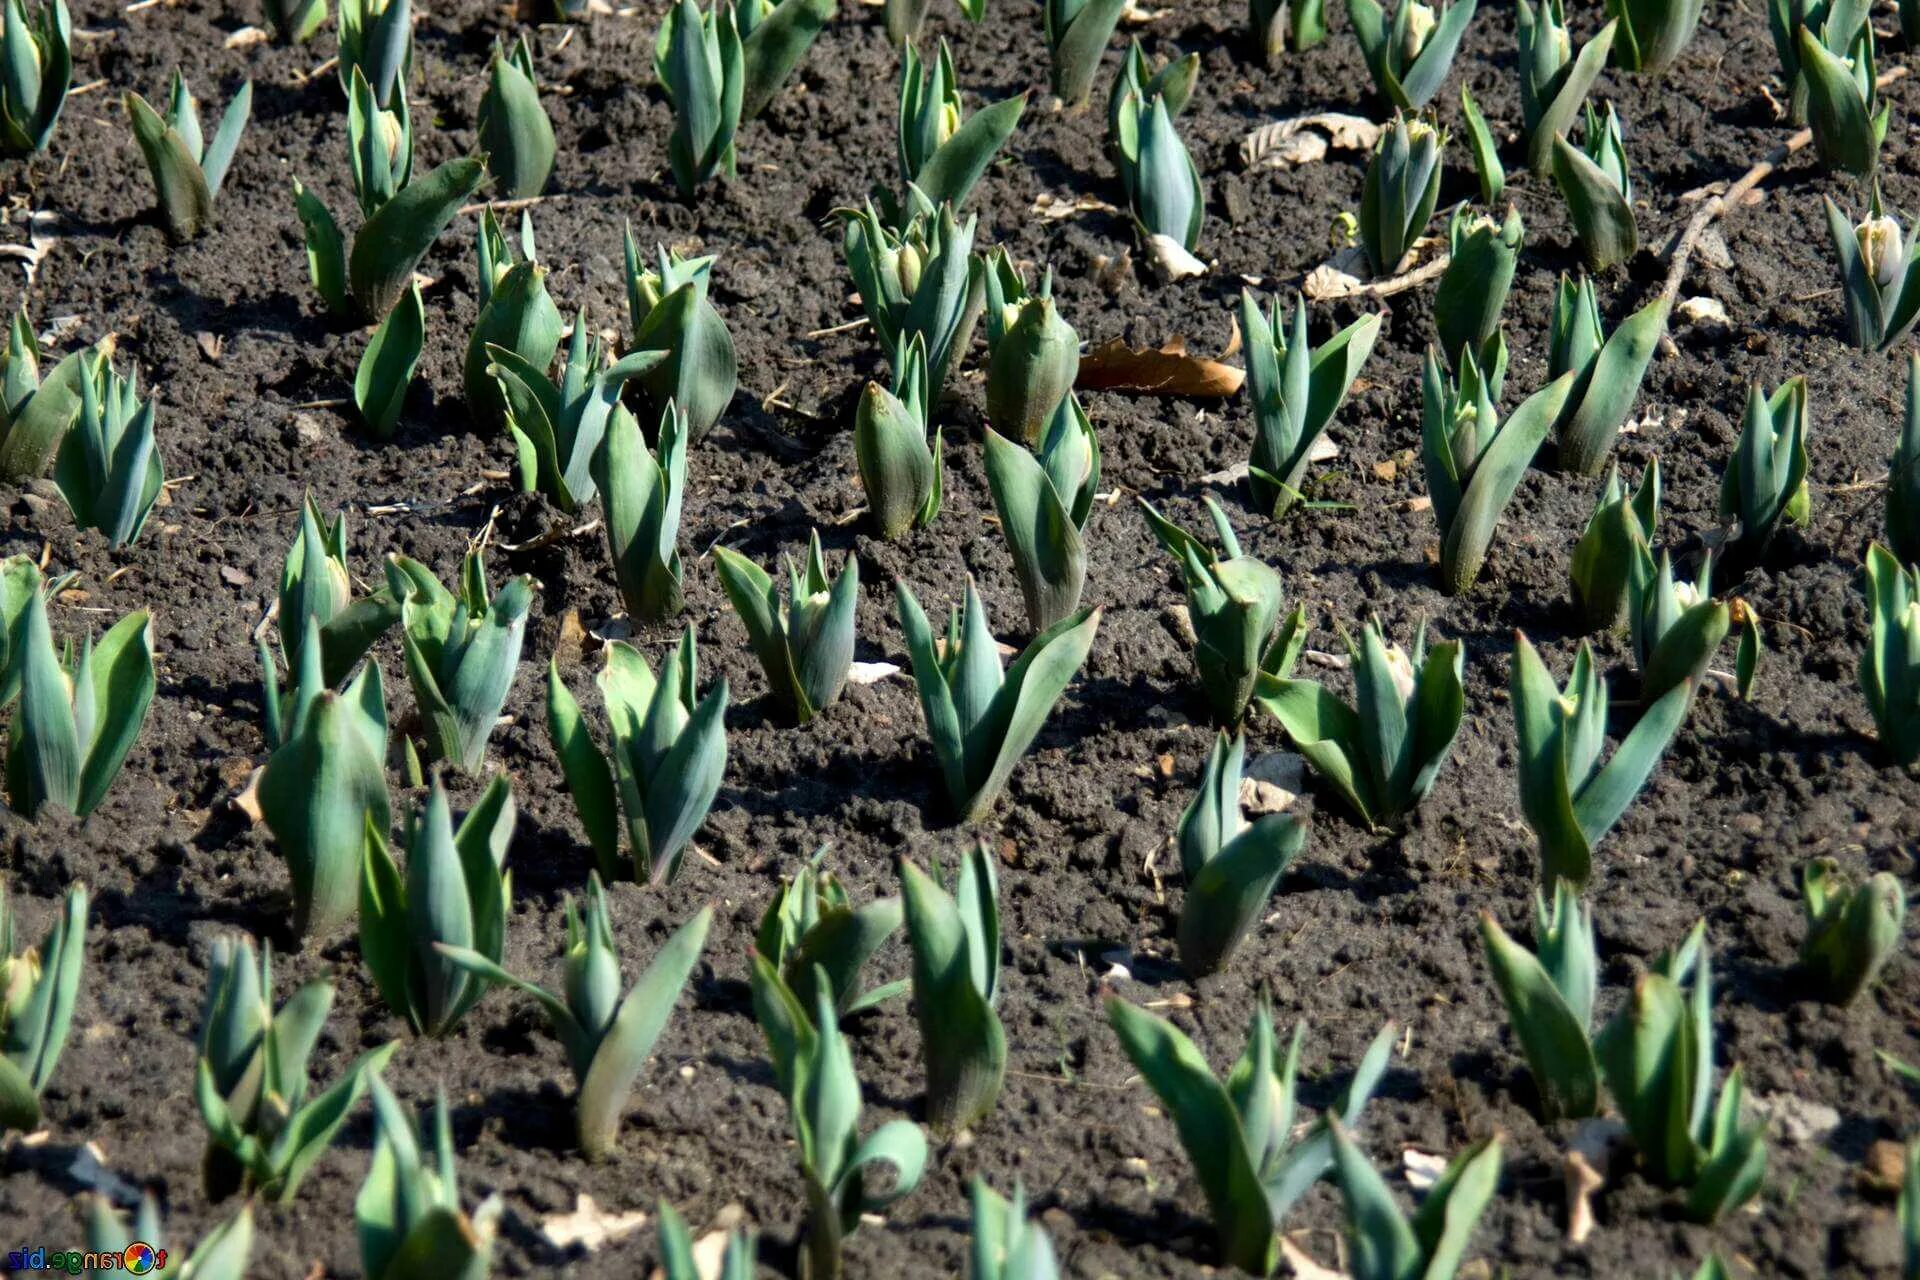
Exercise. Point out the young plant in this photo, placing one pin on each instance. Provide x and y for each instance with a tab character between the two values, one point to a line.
379	144
1487	169
36	69
1162	185
223	1254
1765	483
1890	664
1482	255
1295	389
1604	559
20	581
250	1078
1852	930
512	127
1077	33
1607	371
1568	798
955	940
34	413
943	151
1473	460
453	891
1044	503
1903	475
900	468
1383	752
608	1039
668	311
187	173
1879	282
38	988
906	17
366	282
77	717
1652	32
516	314
324	782
1138	82
679	1262
1239	1133
295	21
805	646
1233	604
1230	867
1402	187
109	469
812	926
408	1213
1383	1243
1553	82
1657	1055
316	591
1278	26
557	427
773	40
644	489
705	77
814	1069
1033	355
1548	994
1007	1245
1598	191
921	282
386	368
980	719
666	755
376	40
462	650
1409	56
1844	110
1677	626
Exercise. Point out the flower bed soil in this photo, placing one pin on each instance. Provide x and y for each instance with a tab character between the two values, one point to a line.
1365	928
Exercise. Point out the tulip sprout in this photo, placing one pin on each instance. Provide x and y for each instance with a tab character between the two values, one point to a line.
1765	482
1852	930
453	891
705	76
187	173
1230	866
812	926
805	646
1657	1055
1077	33
38	988
1568	798
1605	557
1487	169
1548	994
295	22
1890	664
367	281
1402	188
1553	82
900	468
462	651
1385	1244
607	1038
1474	461
921	282
36	63
943	151
109	469
679	1262
20	582
1295	390
512	127
387	366
668	310
77	717
1233	605
906	17
1158	174
773	40
1844	109
1044	503
981	719
1903	475
1652	32
1879	282
1139	82
644	489
408	1211
1482	255
376	40
1278	26
1383	752
955	938
250	1080
1033	355
1677	626
666	755
1239	1133
316	592
35	413
1409	56
1607	371
516	315
1598	191
1007	1245
222	1254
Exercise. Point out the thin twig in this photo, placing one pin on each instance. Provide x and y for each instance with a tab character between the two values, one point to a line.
1392	284
1681	253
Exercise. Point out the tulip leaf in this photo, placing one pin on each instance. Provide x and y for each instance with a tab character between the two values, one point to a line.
185	198
1225	900
399	234
386	370
1495	475
775	46
636	1027
1602	219
950	173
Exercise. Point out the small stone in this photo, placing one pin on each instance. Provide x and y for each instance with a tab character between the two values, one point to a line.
1884	1168
1796	1121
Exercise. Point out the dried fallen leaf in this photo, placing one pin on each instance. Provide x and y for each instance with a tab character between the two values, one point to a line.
1272	782
1300	1263
40	241
1422	1169
1168	371
247	799
1172	260
871	672
1702	311
1582	1182
1287	144
246	38
211	344
589	1226
1053	208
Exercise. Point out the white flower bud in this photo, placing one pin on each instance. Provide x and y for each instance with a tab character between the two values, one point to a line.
1420	24
1881	249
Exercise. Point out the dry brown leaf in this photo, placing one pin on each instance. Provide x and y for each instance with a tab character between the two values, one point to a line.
1582	1182
589	1226
1300	1263
1168	371
1300	140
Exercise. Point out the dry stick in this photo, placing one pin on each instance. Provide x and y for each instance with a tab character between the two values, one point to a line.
1689	237
1391	285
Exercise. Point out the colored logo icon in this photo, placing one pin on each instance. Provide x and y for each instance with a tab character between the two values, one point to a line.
139	1258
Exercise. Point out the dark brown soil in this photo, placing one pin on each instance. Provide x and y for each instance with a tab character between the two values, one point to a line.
1365	929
